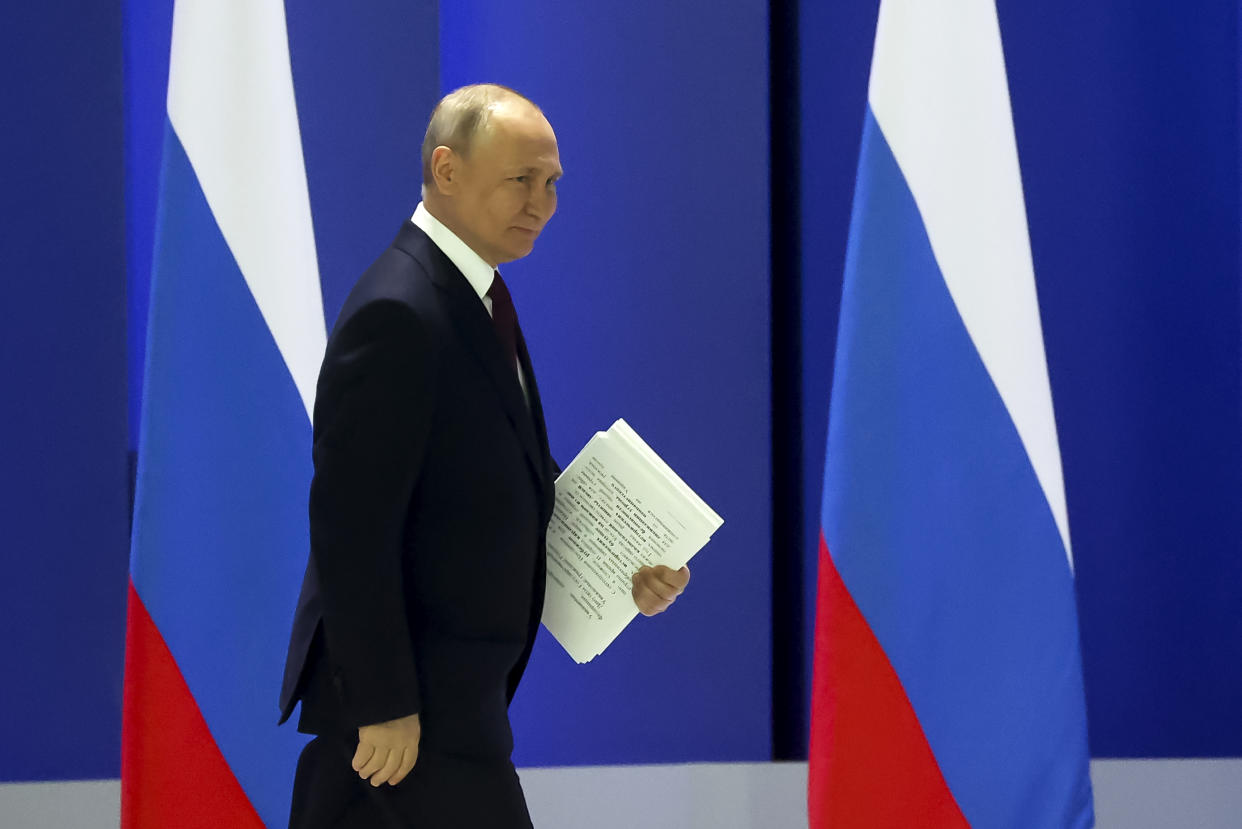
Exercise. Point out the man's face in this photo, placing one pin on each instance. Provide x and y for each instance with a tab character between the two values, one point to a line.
504	192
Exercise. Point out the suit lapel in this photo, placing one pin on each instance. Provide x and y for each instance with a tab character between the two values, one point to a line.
472	322
541	432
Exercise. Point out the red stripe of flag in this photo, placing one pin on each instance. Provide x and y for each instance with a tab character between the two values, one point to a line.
172	771
870	764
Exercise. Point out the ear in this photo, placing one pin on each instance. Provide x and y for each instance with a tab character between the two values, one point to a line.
445	169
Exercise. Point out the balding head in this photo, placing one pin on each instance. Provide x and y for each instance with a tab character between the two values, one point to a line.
490	167
462	116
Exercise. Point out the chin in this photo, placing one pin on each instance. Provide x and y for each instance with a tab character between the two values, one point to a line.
518	253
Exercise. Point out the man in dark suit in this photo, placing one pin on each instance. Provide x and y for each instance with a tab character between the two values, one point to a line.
432	492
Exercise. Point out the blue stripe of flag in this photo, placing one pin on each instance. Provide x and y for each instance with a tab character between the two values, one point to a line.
940	529
220	527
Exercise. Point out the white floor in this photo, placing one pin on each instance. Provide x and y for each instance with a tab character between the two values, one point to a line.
1129	794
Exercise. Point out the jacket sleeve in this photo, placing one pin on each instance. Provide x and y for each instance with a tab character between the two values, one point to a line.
372	418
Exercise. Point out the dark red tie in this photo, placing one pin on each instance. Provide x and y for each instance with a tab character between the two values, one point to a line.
504	318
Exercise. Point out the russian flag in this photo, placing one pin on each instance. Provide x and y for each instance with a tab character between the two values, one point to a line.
948	683
235	337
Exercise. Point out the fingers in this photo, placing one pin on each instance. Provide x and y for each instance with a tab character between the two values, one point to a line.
651	596
655	588
387	751
376	762
408	757
670	580
649	603
391	764
665	591
362	755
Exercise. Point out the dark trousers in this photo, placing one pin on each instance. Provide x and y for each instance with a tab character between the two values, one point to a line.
442	792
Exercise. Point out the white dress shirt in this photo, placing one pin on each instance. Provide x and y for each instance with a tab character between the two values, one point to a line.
477	272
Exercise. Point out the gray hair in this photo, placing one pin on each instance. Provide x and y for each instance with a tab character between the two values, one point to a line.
460	116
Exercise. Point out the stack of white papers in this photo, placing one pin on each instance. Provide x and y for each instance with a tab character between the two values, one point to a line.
619	507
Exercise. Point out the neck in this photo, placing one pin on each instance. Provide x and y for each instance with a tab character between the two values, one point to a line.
448	218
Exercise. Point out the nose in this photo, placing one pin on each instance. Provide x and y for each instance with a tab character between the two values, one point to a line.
540	202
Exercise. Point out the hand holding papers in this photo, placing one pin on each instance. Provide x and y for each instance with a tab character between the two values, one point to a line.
656	588
619	507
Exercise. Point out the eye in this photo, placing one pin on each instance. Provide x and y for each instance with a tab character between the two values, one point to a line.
552	183
520	179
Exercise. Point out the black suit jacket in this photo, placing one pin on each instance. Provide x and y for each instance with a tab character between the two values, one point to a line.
428	510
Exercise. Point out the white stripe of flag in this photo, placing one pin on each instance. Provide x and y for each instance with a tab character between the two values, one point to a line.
939	93
230	100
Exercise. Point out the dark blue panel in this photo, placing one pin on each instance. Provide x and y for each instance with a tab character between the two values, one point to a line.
62	411
835	55
147	35
647	298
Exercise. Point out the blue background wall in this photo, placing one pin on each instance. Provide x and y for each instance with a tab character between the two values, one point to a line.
647	298
1130	148
62	409
651	297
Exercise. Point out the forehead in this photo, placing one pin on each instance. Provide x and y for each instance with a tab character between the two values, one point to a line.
519	136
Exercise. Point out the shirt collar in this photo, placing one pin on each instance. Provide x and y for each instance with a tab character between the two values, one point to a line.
477	272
